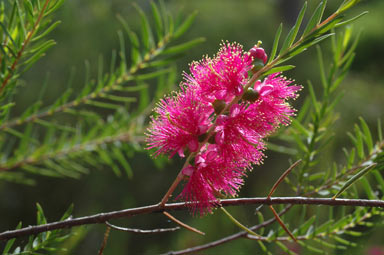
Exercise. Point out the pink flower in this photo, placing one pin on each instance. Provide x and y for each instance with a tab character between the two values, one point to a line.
181	119
237	134
273	94
224	76
210	176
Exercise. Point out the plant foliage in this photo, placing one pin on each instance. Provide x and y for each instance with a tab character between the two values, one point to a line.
103	125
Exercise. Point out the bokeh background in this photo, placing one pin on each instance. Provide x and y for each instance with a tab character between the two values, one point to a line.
89	28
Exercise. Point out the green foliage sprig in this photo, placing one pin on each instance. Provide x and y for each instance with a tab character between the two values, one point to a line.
108	117
69	149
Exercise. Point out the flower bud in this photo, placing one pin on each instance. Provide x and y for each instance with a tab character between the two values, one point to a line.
257	65
258	53
251	95
218	105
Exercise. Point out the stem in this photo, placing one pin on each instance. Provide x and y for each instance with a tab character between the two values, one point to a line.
101	218
238	223
183	224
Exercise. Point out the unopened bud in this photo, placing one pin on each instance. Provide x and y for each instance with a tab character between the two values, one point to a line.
258	53
257	65
251	95
219	106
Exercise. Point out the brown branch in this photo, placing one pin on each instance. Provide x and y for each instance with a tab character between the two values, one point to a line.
24	45
101	218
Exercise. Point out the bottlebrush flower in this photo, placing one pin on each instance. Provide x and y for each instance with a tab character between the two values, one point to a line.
224	76
211	175
273	94
180	120
236	134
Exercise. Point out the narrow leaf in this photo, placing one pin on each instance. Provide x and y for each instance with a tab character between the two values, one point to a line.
367	134
344	23
180	30
279	69
293	32
315	18
184	46
158	21
354	179
146	33
275	43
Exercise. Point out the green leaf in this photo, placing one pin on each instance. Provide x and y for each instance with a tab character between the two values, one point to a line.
315	18
177	49
38	53
107	160
313	97
124	99
237	223
151	75
344	23
40	215
9	244
67	213
311	248
347	4
122	160
293	32
299	127
285	248
54	7
304	227
158	21
279	69
135	54
275	43
302	47
321	67
103	104
354	178
359	142
368	189
180	30
325	227
146	33
40	171
46	31
367	134
343	241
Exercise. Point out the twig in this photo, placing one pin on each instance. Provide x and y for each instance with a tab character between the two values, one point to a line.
282	223
106	235
142	231
183	224
274	187
101	218
282	177
238	223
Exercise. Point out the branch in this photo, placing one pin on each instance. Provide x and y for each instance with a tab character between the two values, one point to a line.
104	217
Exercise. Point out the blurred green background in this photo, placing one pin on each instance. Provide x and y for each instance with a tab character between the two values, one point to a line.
89	28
